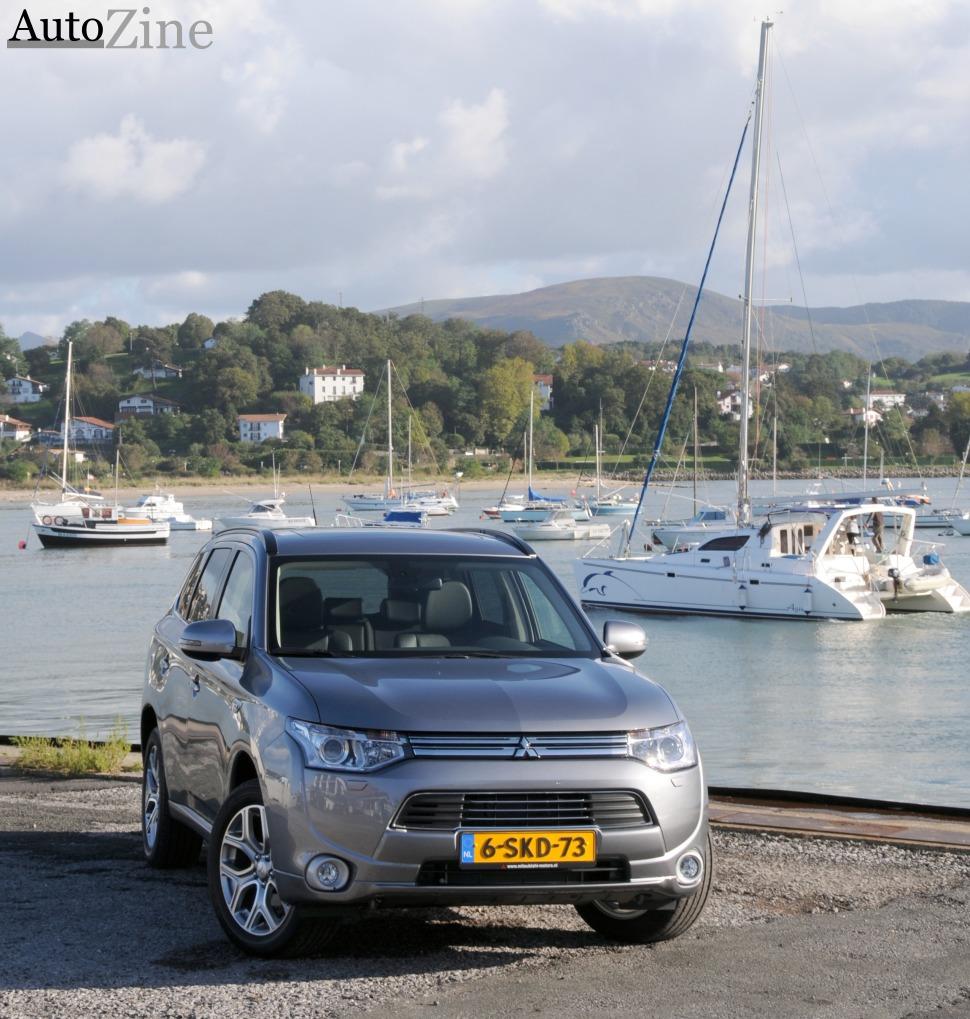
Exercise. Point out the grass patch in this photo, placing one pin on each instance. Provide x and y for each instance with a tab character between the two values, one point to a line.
71	756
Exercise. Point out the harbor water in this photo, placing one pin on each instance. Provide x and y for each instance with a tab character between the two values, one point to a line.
878	710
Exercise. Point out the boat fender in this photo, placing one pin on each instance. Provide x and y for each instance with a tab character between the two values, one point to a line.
931	559
46	521
60	521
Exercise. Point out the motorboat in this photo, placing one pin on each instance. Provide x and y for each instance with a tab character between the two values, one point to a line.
266	513
693	531
164	506
560	525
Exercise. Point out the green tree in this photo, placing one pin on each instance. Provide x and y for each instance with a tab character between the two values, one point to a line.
194	331
12	360
504	398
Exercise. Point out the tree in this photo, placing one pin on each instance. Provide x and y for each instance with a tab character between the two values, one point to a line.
194	331
276	309
958	420
504	398
11	357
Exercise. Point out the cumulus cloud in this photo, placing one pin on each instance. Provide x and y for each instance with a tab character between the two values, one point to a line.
133	164
475	140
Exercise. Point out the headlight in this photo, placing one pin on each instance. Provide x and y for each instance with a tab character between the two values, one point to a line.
334	749
668	749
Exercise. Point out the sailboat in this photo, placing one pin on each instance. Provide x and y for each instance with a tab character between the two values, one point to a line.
83	519
607	503
433	503
830	562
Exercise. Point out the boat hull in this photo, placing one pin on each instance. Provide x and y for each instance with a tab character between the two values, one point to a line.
54	536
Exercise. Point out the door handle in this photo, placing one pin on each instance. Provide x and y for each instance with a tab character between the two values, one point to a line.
196	685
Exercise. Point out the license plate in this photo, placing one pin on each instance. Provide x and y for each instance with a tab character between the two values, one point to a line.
526	848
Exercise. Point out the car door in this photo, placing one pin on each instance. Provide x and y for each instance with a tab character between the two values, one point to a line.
180	726
218	715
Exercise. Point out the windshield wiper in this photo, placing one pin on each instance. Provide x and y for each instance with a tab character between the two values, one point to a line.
306	652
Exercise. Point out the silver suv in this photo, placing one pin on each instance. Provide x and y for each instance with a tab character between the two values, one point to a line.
370	717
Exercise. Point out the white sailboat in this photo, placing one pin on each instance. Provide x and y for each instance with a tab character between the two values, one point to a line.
852	563
561	525
433	503
164	506
612	503
83	519
267	512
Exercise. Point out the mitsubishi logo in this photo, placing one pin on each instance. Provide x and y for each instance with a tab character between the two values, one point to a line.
525	749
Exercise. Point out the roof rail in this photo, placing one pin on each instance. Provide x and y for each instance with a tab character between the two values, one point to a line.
269	538
509	539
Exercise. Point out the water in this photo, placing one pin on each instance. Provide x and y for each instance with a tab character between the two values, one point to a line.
878	710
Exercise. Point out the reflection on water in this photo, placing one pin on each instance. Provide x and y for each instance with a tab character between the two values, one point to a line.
880	710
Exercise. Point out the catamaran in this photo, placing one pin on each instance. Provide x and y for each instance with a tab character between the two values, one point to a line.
831	562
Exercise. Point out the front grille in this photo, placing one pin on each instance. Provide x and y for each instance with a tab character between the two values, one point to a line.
447	873
600	809
506	747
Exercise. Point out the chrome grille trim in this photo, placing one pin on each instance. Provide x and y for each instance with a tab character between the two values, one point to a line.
448	811
506	747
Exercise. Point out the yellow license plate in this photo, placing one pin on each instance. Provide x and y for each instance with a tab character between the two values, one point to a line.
526	848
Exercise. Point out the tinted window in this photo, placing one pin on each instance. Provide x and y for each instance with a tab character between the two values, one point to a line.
188	588
729	543
237	598
207	590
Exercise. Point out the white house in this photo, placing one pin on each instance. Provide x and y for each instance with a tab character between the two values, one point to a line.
730	404
326	384
886	399
159	370
210	344
22	389
145	405
11	428
866	417
88	430
543	388
260	427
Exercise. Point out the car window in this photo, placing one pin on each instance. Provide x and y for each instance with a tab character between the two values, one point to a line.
236	603
207	590
400	605
188	588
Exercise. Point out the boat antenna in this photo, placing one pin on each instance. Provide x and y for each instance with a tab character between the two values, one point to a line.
682	359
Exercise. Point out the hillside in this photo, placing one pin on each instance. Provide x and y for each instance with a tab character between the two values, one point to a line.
642	307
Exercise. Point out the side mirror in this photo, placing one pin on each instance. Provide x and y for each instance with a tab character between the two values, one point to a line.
210	639
624	639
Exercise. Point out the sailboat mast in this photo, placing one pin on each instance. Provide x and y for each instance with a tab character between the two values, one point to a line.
67	413
696	451
390	437
865	429
963	467
596	441
744	502
532	395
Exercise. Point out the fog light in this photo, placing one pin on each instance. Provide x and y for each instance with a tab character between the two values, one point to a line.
327	873
689	867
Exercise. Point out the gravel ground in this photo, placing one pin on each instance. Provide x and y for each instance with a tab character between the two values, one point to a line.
794	927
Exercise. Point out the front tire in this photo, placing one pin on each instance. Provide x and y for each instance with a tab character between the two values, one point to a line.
634	926
167	843
242	885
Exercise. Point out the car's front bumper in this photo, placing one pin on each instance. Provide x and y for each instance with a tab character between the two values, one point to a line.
312	813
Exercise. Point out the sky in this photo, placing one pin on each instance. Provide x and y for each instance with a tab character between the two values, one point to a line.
376	152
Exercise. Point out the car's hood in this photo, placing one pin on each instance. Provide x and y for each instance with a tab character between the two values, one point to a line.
483	695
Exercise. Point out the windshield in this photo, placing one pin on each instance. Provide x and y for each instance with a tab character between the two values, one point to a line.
433	605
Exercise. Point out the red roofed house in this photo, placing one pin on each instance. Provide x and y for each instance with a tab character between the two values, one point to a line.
11	428
326	384
87	430
260	427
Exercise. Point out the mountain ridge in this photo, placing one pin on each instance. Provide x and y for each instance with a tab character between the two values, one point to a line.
644	308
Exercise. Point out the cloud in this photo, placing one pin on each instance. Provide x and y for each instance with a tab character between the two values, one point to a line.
133	164
475	141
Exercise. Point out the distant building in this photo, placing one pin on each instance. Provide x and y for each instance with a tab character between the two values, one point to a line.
22	389
710	366
660	366
145	405
11	428
86	431
210	344
729	404
866	417
159	370
260	427
327	384
886	399
543	388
